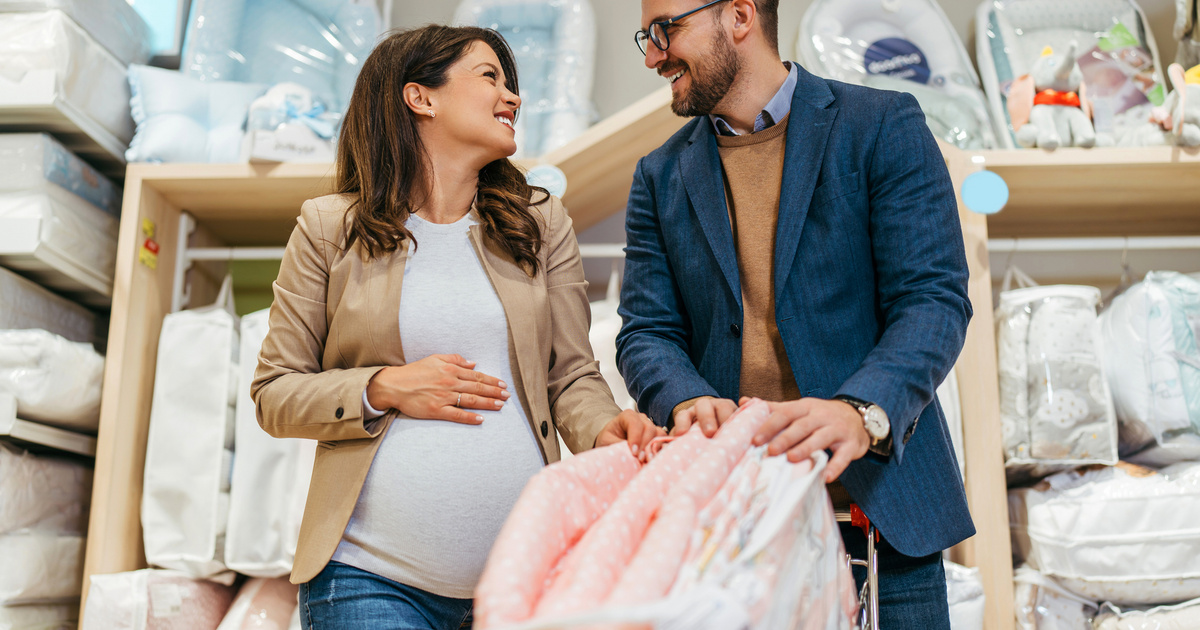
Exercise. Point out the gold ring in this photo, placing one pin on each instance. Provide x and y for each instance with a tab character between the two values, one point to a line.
459	401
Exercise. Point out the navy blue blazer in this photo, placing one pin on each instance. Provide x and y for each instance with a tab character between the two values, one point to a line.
870	289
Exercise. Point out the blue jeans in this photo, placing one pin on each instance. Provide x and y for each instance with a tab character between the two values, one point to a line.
345	597
912	591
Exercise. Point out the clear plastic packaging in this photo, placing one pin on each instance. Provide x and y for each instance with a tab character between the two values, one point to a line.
1187	54
1056	410
58	238
319	44
48	53
1152	360
33	161
903	45
1042	604
43	492
55	381
41	567
1123	534
24	305
262	604
1183	616
113	23
152	599
554	42
1115	51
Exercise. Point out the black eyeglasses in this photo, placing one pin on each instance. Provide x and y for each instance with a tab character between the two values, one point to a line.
657	32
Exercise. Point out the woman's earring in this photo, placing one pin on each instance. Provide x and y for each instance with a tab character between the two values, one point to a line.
432	114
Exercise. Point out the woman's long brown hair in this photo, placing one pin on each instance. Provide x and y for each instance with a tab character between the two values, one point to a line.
382	163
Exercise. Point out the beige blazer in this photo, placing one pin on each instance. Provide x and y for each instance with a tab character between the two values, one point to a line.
334	324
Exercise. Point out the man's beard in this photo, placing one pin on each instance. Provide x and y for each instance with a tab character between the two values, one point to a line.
710	82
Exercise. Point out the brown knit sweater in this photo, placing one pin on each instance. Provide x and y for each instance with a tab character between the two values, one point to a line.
753	166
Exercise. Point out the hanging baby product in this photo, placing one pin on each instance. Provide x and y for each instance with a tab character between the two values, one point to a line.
904	45
1056	410
185	495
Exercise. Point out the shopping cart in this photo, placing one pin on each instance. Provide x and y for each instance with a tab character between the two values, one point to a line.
868	597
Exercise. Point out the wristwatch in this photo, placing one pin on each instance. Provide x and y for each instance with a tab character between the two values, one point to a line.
875	419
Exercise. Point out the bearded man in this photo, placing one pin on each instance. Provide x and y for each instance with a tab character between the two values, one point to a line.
798	241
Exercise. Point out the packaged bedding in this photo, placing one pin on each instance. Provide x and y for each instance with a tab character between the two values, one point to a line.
554	42
153	599
1115	54
1152	359
25	305
43	492
902	45
41	567
185	495
1042	604
1182	616
114	24
1056	410
1123	534
55	381
33	162
59	239
47	57
262	603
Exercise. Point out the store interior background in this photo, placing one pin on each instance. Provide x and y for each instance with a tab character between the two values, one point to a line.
621	79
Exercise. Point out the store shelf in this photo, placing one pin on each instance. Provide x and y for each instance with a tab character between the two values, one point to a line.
35	104
37	436
23	251
1147	191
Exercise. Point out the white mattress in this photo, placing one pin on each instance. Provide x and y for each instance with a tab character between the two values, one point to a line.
41	568
54	75
113	23
1122	534
32	162
43	492
24	304
61	241
1183	616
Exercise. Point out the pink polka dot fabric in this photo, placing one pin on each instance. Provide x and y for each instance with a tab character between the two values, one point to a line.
557	506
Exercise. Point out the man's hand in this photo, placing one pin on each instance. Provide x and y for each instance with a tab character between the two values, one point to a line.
803	427
708	412
633	427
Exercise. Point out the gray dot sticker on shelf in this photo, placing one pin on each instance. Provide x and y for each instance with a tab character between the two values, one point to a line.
549	177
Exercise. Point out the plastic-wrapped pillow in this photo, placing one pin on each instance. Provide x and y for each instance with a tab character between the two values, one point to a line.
319	44
1122	533
55	381
903	45
1056	410
1152	359
554	42
43	492
182	119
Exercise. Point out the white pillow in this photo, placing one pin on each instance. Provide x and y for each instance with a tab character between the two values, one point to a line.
181	119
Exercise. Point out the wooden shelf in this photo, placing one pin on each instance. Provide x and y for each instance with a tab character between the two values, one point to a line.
40	437
1147	191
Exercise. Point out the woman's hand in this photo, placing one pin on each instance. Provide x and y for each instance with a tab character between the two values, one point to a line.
633	427
431	388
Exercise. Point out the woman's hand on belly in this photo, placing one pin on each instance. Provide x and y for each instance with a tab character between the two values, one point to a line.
438	387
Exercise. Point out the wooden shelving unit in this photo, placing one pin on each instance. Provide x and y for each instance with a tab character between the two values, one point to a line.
256	205
1150	191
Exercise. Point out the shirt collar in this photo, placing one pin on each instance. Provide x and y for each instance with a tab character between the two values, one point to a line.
777	108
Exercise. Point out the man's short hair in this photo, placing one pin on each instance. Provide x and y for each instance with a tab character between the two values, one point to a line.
768	14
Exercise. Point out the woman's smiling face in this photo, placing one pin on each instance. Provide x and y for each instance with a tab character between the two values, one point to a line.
475	106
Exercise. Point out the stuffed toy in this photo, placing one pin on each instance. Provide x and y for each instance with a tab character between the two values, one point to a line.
1049	107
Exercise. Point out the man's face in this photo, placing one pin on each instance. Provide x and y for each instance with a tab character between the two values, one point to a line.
700	62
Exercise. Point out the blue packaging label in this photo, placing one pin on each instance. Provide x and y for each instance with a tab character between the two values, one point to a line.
897	57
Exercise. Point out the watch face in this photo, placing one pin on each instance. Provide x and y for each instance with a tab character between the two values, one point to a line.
877	422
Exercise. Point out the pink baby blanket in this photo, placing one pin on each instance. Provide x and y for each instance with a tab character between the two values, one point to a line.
599	539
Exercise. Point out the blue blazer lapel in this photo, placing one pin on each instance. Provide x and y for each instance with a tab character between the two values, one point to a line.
808	130
704	180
